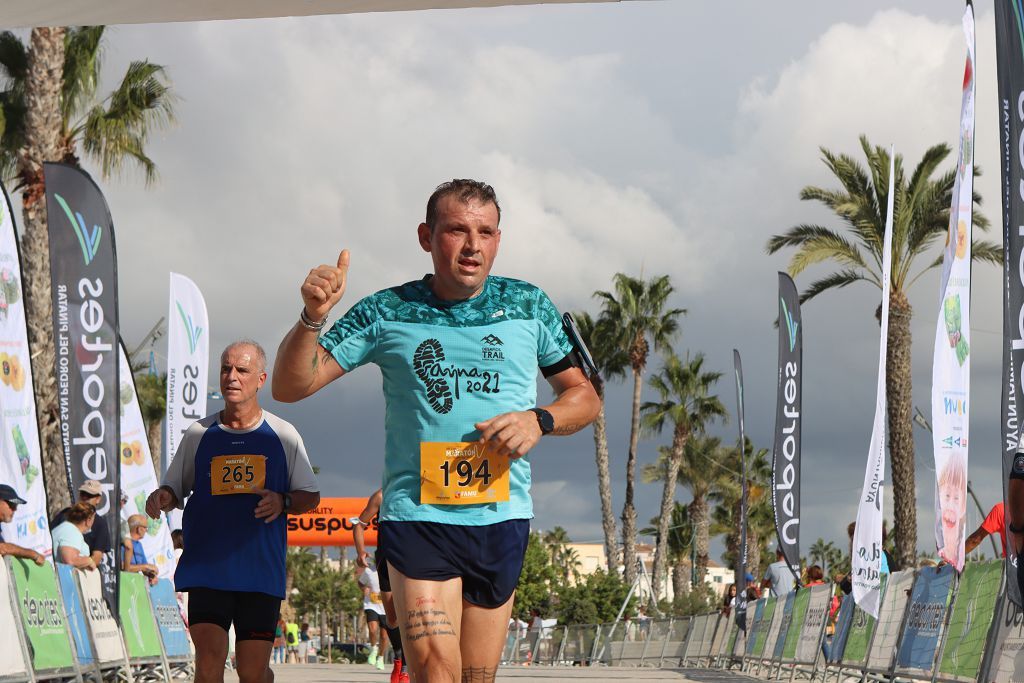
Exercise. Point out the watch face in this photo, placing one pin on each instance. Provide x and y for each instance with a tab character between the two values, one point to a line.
547	423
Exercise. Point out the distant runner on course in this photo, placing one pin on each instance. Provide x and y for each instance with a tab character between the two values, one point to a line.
243	470
459	352
399	672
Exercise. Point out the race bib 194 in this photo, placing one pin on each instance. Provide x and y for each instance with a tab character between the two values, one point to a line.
230	474
462	473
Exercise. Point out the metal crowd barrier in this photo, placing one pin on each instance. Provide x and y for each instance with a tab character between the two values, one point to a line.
58	627
933	626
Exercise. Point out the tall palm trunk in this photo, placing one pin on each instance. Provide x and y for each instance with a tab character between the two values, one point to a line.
701	522
628	511
154	434
901	438
753	552
604	487
668	499
680	579
42	143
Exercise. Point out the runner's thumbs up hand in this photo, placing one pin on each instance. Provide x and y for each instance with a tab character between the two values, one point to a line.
324	287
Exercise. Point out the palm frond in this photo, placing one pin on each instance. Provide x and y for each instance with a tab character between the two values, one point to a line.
13	60
117	132
836	280
82	57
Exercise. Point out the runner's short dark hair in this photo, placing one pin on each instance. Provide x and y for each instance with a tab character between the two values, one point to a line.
463	189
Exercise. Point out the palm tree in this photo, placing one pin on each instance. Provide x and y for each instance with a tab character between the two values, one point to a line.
152	392
726	496
921	216
636	312
698	473
821	553
680	543
48	111
684	388
611	362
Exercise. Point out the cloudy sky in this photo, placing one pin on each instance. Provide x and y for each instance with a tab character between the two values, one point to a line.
637	137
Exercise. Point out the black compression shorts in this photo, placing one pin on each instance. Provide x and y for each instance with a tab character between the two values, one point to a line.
253	614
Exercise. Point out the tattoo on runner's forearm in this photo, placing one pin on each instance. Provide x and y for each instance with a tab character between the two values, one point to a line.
422	623
564	430
479	674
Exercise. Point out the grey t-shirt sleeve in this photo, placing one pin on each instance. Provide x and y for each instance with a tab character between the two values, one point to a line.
181	473
300	471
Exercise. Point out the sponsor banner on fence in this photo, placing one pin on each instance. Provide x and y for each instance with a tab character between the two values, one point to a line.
42	615
867	538
137	621
786	453
1009	645
12	659
83	275
785	625
800	604
858	637
740	578
951	363
20	463
1010	62
188	360
844	622
330	523
925	616
138	476
75	614
974	610
890	619
106	636
764	625
754	625
168	619
814	623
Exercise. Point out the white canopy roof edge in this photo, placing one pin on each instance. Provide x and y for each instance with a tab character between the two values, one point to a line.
26	13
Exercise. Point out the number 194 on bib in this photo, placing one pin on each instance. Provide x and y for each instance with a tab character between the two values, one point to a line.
462	473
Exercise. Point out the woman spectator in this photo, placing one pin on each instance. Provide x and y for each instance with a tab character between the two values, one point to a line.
728	599
69	546
279	643
815	577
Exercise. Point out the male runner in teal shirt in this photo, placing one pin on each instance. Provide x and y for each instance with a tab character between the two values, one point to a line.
459	352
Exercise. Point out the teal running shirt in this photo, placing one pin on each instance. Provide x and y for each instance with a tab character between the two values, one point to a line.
448	365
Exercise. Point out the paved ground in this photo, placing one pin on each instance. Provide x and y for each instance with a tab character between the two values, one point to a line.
361	673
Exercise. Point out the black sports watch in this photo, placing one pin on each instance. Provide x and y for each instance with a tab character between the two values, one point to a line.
544	419
286	499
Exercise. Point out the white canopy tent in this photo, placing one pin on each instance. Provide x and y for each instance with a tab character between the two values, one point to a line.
25	13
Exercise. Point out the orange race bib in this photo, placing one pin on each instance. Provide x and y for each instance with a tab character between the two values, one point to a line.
374	597
231	474
462	473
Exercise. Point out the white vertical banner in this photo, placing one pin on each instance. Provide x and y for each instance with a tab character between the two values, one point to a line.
188	357
106	637
951	364
20	463
867	539
138	477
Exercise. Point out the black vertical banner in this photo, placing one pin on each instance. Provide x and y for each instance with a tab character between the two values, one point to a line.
741	561
786	451
83	274
1010	60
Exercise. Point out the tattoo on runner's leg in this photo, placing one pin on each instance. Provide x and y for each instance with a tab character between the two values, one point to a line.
479	674
422	623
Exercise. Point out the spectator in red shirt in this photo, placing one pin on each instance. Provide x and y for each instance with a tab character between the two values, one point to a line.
995	523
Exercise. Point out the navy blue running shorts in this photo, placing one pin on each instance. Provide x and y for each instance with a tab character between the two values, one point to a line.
488	558
382	571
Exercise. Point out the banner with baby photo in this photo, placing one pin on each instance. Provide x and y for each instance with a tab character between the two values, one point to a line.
951	364
20	462
138	475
